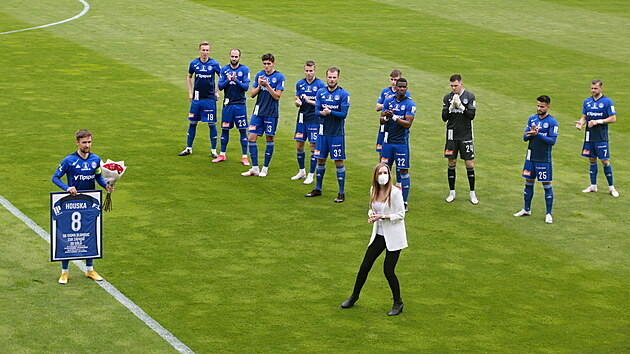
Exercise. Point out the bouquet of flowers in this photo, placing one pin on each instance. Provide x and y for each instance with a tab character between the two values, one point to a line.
112	171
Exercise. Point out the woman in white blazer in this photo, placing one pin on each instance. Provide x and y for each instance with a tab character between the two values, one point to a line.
387	213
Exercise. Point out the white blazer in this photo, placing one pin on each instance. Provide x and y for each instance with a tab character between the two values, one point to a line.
393	228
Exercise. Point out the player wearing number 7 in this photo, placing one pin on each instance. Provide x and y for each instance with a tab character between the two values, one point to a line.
397	117
597	112
332	103
82	168
541	132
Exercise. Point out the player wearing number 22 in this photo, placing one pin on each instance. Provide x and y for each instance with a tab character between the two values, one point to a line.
541	132
332	102
397	117
82	169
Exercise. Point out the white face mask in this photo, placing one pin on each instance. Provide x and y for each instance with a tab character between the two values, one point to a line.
383	179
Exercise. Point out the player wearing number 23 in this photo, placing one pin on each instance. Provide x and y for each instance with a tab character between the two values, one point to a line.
332	103
541	132
82	169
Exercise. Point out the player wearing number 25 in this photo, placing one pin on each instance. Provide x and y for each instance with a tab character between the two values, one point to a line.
332	103
82	169
541	132
397	117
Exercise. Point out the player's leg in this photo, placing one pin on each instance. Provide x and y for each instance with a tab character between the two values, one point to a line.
256	127
300	137
371	254
470	171
63	279
209	116
240	120
193	118
589	151
389	267
528	192
313	163
450	152
270	132
338	154
227	123
379	140
401	157
604	155
548	201
244	143
91	273
321	153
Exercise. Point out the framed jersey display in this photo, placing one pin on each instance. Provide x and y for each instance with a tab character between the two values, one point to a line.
76	226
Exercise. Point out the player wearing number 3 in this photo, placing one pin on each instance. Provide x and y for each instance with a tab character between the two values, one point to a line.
397	117
332	103
82	168
541	132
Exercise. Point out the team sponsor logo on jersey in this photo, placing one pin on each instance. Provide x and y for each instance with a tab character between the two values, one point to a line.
384	160
191	115
252	127
83	177
586	152
225	125
448	152
299	135
527	173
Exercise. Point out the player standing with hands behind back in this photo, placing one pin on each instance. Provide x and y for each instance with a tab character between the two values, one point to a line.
82	168
458	111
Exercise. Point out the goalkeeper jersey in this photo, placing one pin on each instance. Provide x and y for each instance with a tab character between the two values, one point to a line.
459	122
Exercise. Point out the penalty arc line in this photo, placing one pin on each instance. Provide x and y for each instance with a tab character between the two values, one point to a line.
135	309
86	8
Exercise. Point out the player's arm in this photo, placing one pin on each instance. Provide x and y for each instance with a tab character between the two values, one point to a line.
609	120
189	81
580	123
298	99
255	88
60	172
470	109
406	122
244	85
446	115
223	80
342	113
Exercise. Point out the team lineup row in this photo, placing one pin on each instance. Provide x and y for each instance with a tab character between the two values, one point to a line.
323	107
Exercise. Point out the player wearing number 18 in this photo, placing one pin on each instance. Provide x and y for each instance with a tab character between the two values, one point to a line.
397	117
541	132
82	169
332	102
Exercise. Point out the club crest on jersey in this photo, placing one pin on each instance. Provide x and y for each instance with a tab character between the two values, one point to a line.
274	80
240	73
465	101
337	97
93	164
546	125
601	105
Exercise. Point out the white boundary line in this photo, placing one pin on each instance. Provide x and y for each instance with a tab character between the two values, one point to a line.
135	309
86	8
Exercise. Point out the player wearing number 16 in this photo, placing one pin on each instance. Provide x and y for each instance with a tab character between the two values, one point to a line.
332	102
82	169
397	117
541	132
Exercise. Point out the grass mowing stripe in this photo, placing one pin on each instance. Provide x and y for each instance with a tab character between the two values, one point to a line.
86	8
107	286
556	24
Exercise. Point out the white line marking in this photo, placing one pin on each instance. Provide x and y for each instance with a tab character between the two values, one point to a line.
153	324
86	7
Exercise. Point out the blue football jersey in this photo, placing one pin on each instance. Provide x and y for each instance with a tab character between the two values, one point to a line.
307	111
203	75
81	173
332	124
387	93
266	106
76	220
597	109
539	150
396	134
234	91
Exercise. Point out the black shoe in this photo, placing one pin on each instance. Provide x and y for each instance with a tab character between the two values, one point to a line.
186	152
340	198
313	193
406	207
396	309
349	302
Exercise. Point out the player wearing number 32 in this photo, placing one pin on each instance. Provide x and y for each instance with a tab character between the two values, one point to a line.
82	168
332	103
397	117
541	132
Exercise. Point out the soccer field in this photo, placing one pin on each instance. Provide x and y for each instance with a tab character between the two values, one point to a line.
234	264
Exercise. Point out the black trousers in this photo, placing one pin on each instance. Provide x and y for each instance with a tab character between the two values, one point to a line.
391	258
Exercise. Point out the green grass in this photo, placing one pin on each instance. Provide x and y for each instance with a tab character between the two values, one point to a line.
233	264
